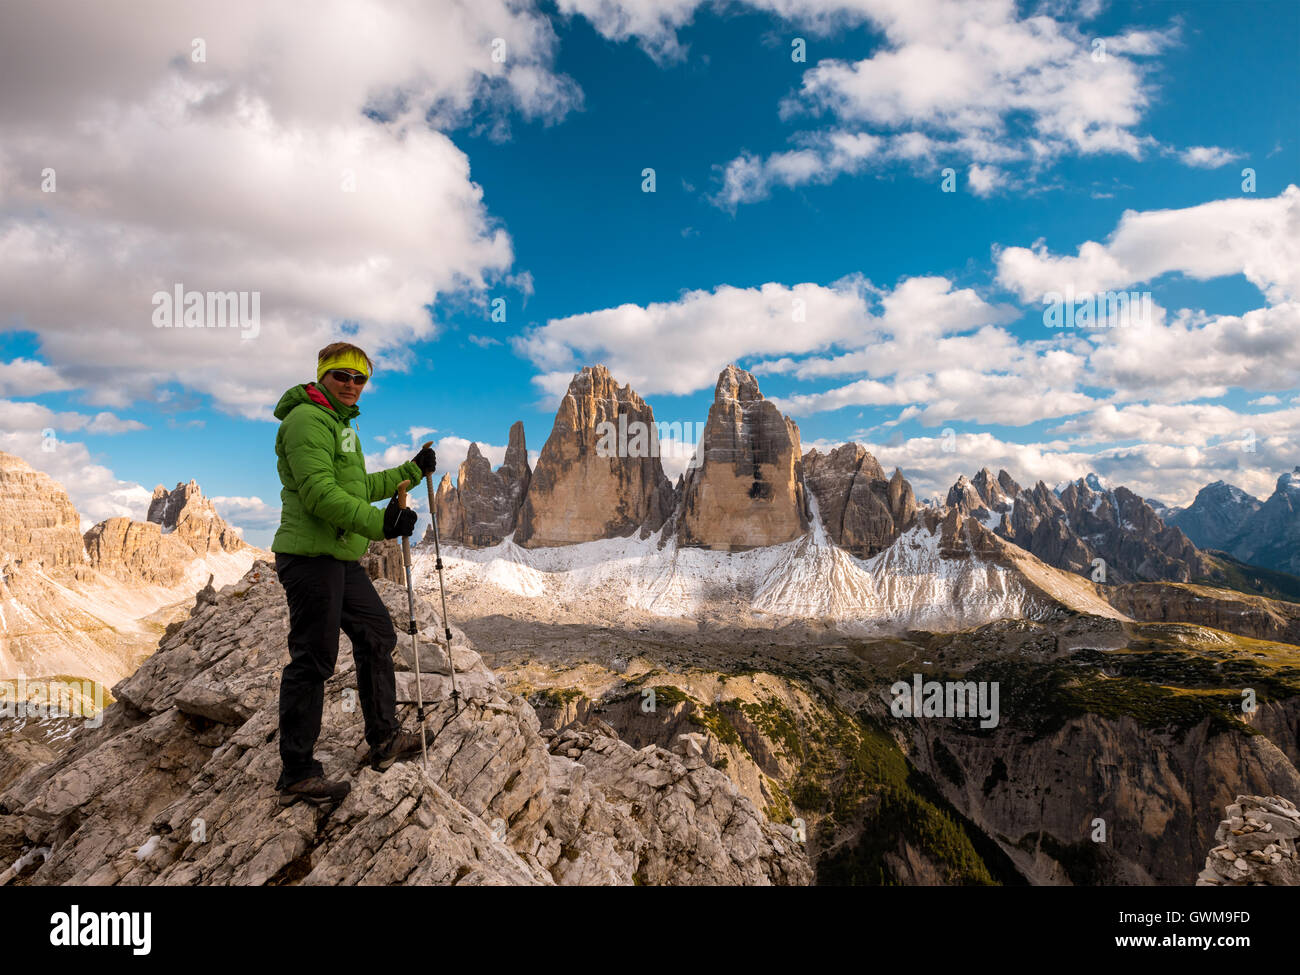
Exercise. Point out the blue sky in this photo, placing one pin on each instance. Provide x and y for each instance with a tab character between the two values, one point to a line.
776	182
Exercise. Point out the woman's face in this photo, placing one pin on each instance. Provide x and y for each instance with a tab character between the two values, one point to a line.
345	393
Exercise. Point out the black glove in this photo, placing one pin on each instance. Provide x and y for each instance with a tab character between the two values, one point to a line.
398	521
427	461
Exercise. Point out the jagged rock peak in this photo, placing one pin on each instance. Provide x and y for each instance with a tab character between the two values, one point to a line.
748	490
738	384
187	512
599	474
861	509
483	508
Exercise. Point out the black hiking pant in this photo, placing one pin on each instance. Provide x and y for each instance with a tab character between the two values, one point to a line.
326	595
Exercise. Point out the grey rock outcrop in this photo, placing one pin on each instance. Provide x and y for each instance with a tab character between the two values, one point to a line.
185	512
177	786
38	523
862	510
1085	522
1257	845
483	506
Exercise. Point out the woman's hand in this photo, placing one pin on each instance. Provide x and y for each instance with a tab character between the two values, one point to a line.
426	459
399	520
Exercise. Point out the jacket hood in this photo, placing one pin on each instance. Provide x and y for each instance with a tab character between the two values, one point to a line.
297	395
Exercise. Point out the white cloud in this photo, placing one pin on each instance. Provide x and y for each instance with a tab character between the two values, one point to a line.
681	346
1208	157
984	179
1259	238
233	174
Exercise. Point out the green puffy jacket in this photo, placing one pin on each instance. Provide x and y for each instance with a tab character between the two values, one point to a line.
325	504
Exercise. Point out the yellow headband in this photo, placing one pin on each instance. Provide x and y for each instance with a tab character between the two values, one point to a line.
346	359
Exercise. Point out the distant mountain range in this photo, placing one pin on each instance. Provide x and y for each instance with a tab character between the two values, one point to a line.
1262	533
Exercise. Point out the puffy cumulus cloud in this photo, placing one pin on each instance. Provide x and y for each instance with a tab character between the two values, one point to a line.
974	82
1189	424
294	163
1188	354
826	156
1259	238
681	346
247	514
30	377
1195	356
654	23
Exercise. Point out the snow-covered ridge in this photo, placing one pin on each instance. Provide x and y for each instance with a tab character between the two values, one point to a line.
911	584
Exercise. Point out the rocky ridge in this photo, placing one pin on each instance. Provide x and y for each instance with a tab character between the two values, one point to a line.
177	786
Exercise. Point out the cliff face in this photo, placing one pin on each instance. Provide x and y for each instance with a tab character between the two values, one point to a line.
862	510
1223	609
748	489
38	523
82	606
482	508
588	484
177	786
1039	795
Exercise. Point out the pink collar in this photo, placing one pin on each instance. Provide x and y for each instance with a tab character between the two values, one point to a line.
317	396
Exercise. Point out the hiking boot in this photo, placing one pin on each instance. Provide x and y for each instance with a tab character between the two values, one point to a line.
317	790
403	744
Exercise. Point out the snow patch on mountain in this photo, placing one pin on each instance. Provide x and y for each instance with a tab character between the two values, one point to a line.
911	584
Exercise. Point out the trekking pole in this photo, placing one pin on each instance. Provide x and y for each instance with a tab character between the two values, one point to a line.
412	628
442	591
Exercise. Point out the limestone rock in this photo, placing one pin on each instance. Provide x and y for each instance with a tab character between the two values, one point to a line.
588	484
1085	522
38	523
482	508
193	518
138	551
383	560
748	489
177	785
862	511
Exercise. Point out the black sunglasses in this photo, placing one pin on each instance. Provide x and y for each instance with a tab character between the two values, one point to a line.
359	378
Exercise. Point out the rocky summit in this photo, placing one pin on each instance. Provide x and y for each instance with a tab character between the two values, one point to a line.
748	489
599	474
481	509
1083	523
178	784
862	510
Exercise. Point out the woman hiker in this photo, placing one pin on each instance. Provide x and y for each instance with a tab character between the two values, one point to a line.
326	523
